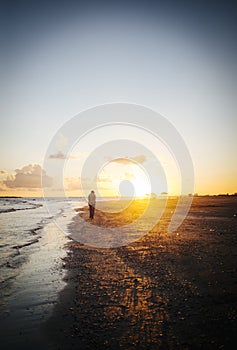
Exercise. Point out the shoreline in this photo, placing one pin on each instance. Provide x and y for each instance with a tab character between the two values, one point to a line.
165	291
28	302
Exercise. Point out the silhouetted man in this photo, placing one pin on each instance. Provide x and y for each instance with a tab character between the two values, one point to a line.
91	202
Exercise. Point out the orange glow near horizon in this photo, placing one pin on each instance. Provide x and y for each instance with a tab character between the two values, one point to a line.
210	190
111	176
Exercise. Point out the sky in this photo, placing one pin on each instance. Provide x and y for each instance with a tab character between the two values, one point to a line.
60	58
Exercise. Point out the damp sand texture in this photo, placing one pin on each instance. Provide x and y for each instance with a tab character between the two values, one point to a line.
165	291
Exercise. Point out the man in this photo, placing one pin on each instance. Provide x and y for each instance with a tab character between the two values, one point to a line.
91	202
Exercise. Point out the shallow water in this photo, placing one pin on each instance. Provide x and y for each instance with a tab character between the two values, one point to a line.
32	240
22	225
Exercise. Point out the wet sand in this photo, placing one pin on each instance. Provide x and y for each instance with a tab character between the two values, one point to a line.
27	302
165	291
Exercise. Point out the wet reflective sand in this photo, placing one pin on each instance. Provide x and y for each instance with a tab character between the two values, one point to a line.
165	291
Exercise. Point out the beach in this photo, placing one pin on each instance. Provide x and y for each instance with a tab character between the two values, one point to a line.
164	291
118	176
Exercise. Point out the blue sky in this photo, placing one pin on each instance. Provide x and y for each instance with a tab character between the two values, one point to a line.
178	58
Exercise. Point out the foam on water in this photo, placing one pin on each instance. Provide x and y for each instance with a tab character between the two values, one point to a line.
32	245
24	223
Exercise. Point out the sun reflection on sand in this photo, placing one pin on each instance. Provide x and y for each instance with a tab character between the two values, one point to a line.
161	292
120	300
125	222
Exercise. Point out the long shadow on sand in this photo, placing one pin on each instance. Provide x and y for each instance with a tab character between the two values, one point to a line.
163	292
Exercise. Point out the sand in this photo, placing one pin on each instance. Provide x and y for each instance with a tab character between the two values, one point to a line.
165	291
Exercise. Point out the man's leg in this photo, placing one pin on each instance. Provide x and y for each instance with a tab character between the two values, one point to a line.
92	212
91	208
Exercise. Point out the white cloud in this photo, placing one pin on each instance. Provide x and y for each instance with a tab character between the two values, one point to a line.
28	177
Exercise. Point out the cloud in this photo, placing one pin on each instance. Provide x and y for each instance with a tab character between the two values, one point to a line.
2	187
60	155
72	183
129	176
104	178
28	177
78	183
3	172
127	160
121	160
139	159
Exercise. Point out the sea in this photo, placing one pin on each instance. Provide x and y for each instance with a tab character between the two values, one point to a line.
33	236
24	221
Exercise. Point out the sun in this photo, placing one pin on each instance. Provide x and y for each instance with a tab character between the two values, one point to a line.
134	181
142	186
125	179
